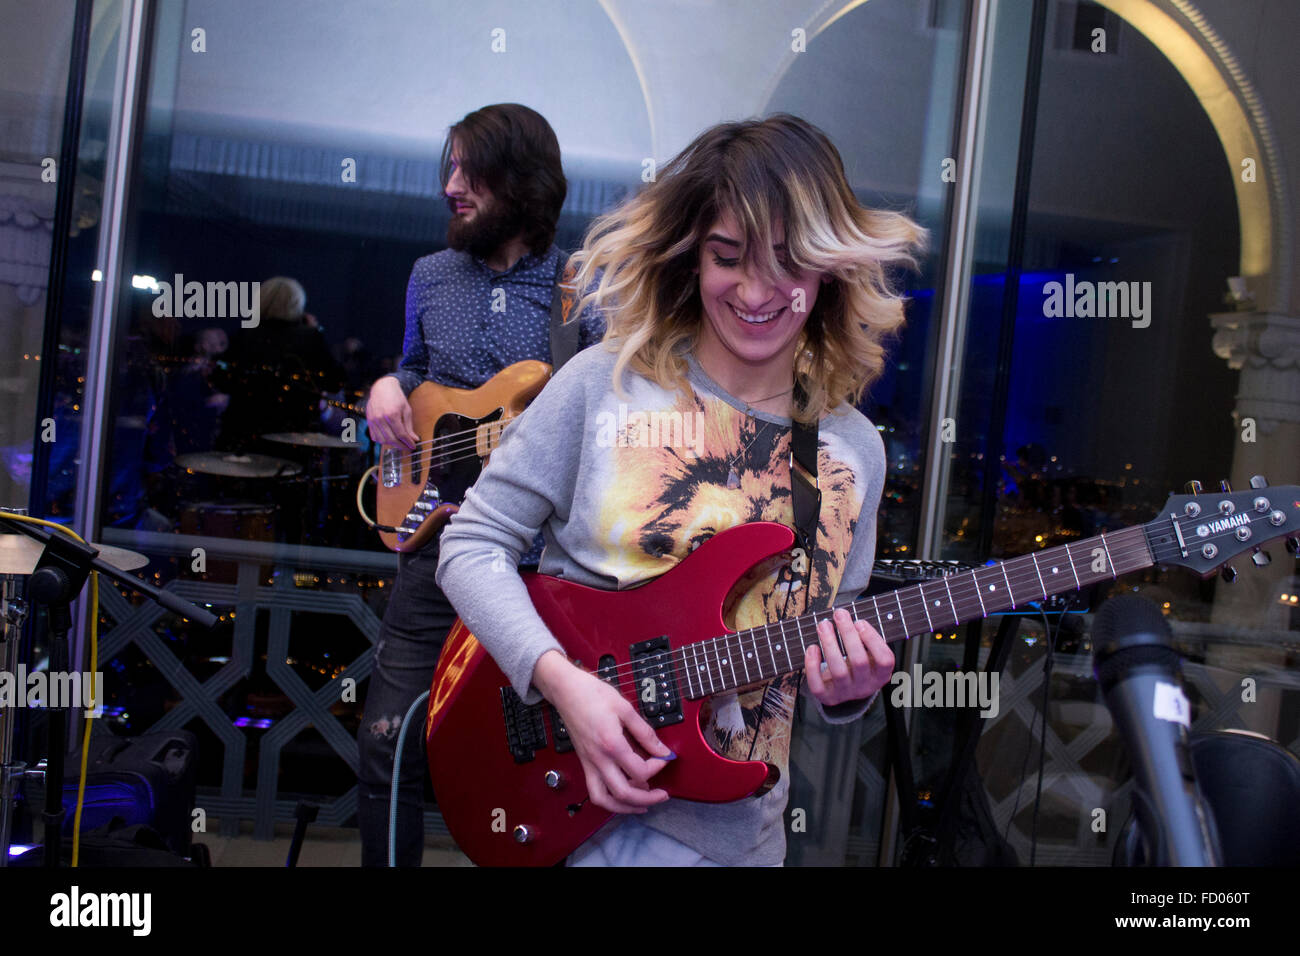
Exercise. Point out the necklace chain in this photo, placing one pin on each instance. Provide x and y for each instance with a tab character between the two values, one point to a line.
750	405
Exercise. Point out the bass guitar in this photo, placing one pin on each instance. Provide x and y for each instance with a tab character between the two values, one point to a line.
509	784
418	490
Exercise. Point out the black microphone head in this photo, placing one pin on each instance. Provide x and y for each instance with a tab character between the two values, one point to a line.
1128	632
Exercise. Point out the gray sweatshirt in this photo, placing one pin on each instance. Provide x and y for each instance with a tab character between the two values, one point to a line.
622	489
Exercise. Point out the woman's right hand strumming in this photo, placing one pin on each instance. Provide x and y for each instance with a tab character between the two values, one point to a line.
597	717
389	419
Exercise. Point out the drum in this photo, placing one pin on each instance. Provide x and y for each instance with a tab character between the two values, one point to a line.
242	520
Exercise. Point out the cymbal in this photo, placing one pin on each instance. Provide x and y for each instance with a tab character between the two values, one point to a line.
230	465
310	439
19	554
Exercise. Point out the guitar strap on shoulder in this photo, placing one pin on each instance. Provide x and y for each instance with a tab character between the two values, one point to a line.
564	335
805	491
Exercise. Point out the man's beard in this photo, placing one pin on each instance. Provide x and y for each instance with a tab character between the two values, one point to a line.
492	226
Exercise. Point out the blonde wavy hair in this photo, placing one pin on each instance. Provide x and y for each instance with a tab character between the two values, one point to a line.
639	262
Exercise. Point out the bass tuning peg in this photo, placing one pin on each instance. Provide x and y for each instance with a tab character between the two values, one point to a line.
1258	481
1260	558
1229	573
1193	487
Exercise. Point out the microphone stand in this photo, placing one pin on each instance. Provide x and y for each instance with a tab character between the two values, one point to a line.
58	578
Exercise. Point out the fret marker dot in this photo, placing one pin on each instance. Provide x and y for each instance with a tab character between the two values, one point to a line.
1053	570
993	587
936	603
778	647
889	616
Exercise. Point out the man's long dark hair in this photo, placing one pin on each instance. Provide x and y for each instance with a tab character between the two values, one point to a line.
512	151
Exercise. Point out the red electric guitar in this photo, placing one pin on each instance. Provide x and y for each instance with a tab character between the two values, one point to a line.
511	787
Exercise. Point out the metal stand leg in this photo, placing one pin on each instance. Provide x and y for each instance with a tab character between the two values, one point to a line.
12	615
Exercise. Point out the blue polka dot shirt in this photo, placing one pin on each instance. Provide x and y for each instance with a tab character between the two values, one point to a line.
465	323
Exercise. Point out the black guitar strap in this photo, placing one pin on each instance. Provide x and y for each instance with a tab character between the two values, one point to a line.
805	492
806	502
564	335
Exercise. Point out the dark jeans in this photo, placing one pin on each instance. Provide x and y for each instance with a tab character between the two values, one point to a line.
415	626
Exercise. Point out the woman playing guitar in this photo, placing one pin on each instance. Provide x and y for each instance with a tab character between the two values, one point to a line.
745	291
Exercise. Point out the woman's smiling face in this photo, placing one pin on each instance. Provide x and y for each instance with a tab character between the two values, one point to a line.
751	321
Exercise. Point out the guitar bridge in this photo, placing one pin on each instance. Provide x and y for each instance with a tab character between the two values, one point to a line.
420	510
525	727
656	685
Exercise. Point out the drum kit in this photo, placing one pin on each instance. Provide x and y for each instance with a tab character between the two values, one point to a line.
300	498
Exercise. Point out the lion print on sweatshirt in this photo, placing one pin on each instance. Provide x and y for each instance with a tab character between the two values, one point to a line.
725	468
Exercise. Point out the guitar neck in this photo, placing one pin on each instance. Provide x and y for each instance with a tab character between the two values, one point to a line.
761	653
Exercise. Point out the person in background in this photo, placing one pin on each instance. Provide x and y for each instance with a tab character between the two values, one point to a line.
504	185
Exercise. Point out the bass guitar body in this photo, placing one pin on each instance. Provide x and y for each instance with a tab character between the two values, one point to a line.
419	490
507	780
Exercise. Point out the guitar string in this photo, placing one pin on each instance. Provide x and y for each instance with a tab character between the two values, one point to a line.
712	650
677	659
1126	551
451	447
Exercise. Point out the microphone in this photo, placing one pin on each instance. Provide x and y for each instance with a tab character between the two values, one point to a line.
1140	676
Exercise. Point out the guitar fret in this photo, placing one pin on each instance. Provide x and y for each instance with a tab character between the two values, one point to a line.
979	597
880	622
1010	593
707	672
1078	585
771	653
785	642
929	623
1113	572
1039	573
901	616
690	686
743	661
952	605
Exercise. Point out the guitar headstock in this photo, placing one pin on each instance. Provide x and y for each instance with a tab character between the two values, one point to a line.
1204	530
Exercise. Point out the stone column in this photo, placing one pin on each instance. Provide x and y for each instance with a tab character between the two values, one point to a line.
1265	348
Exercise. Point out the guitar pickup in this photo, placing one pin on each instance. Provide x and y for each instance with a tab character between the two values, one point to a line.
525	726
656	684
392	468
562	742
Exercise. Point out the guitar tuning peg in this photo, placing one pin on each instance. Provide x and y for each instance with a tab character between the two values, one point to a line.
1293	545
1260	558
1229	573
1193	487
1258	481
1224	486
